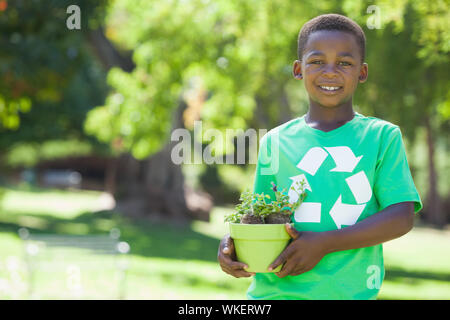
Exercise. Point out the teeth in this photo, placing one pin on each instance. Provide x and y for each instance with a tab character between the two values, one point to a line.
329	88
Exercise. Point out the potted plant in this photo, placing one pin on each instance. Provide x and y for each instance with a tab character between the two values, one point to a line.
258	228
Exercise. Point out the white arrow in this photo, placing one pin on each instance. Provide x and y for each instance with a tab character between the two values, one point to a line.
360	187
344	158
293	194
312	160
308	212
347	214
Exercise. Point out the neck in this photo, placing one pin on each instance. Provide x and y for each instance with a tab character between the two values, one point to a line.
329	116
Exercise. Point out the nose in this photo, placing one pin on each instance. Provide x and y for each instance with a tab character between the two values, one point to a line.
329	70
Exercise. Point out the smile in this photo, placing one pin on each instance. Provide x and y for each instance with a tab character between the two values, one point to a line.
329	89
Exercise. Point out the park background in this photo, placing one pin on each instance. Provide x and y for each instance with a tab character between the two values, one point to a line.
86	113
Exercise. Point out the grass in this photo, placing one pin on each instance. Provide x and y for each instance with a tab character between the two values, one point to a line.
165	261
170	261
417	265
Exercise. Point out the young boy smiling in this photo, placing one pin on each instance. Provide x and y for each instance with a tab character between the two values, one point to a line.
360	190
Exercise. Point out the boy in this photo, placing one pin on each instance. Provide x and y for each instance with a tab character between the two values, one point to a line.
360	192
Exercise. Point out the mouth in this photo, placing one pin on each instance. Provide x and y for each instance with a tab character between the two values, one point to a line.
330	89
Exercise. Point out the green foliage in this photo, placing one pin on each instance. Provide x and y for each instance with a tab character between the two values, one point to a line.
9	111
39	55
260	207
49	78
242	208
256	203
408	63
240	53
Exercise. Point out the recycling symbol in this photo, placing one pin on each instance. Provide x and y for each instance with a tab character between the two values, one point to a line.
346	161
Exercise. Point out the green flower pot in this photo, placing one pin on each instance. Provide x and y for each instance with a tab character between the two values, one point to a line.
258	245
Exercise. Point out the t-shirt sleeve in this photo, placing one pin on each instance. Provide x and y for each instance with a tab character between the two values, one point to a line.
265	168
393	181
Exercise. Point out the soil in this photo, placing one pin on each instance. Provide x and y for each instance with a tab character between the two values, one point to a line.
277	218
251	219
274	218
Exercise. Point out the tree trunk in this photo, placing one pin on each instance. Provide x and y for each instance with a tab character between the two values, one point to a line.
110	175
157	190
129	192
164	183
107	54
433	203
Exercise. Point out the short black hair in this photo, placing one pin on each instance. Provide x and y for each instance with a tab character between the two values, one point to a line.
331	22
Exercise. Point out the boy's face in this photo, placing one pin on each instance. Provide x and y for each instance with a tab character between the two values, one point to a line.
331	67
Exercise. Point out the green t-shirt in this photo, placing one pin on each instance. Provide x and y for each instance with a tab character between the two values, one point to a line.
351	173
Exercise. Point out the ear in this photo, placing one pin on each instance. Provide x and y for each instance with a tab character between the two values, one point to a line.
297	70
363	73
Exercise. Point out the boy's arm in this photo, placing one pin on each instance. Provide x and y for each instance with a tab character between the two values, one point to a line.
308	248
390	223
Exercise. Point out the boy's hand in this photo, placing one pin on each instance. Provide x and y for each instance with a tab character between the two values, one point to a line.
228	261
302	254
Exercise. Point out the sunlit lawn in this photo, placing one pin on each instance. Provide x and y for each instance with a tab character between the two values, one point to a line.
171	262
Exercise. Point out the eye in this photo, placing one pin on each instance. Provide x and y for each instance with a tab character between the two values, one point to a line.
316	62
344	63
